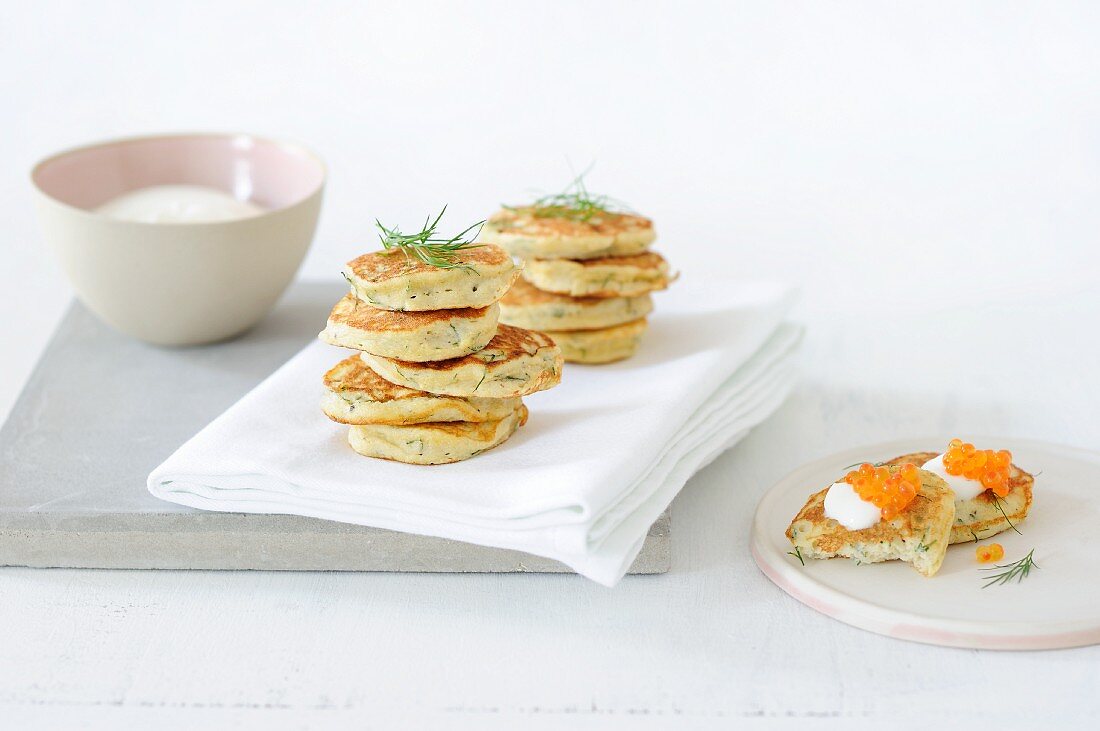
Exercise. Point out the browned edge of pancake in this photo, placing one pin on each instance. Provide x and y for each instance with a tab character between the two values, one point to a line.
352	374
357	314
510	341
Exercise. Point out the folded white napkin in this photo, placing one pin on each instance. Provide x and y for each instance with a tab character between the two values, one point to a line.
601	456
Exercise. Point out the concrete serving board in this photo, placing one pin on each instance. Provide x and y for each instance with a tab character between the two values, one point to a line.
102	410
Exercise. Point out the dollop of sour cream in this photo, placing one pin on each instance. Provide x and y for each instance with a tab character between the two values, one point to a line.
844	505
178	204
964	488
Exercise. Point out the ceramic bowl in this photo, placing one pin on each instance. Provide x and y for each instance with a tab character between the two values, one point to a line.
180	283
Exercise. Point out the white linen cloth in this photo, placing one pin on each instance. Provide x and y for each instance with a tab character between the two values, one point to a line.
601	456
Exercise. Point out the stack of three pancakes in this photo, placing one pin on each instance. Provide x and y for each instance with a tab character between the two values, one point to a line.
436	379
586	280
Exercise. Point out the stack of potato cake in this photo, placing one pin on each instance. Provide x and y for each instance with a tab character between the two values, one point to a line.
587	277
436	380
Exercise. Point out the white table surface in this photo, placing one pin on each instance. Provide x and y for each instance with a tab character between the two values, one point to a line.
927	173
711	641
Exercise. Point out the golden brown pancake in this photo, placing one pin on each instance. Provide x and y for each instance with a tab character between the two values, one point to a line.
388	264
440	443
355	394
516	362
605	345
416	336
526	234
528	306
611	276
391	280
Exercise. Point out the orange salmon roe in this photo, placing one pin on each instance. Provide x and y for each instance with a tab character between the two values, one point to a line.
988	467
989	554
891	493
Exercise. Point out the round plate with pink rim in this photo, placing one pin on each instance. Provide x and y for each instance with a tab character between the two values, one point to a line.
1057	605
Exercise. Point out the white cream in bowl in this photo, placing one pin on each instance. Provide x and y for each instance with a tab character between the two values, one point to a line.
178	204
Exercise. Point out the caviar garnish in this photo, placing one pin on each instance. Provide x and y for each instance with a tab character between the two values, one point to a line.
984	465
889	492
989	554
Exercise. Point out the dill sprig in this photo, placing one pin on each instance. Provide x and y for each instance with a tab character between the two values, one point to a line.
1018	570
1001	507
797	553
576	203
428	246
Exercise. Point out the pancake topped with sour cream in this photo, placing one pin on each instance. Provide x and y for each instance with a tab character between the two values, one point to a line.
980	511
874	514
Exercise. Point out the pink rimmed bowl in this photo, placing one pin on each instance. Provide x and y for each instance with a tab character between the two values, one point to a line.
180	283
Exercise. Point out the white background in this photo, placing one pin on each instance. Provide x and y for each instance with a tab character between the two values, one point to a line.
928	172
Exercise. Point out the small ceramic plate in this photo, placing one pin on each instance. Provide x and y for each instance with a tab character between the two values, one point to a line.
1057	605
